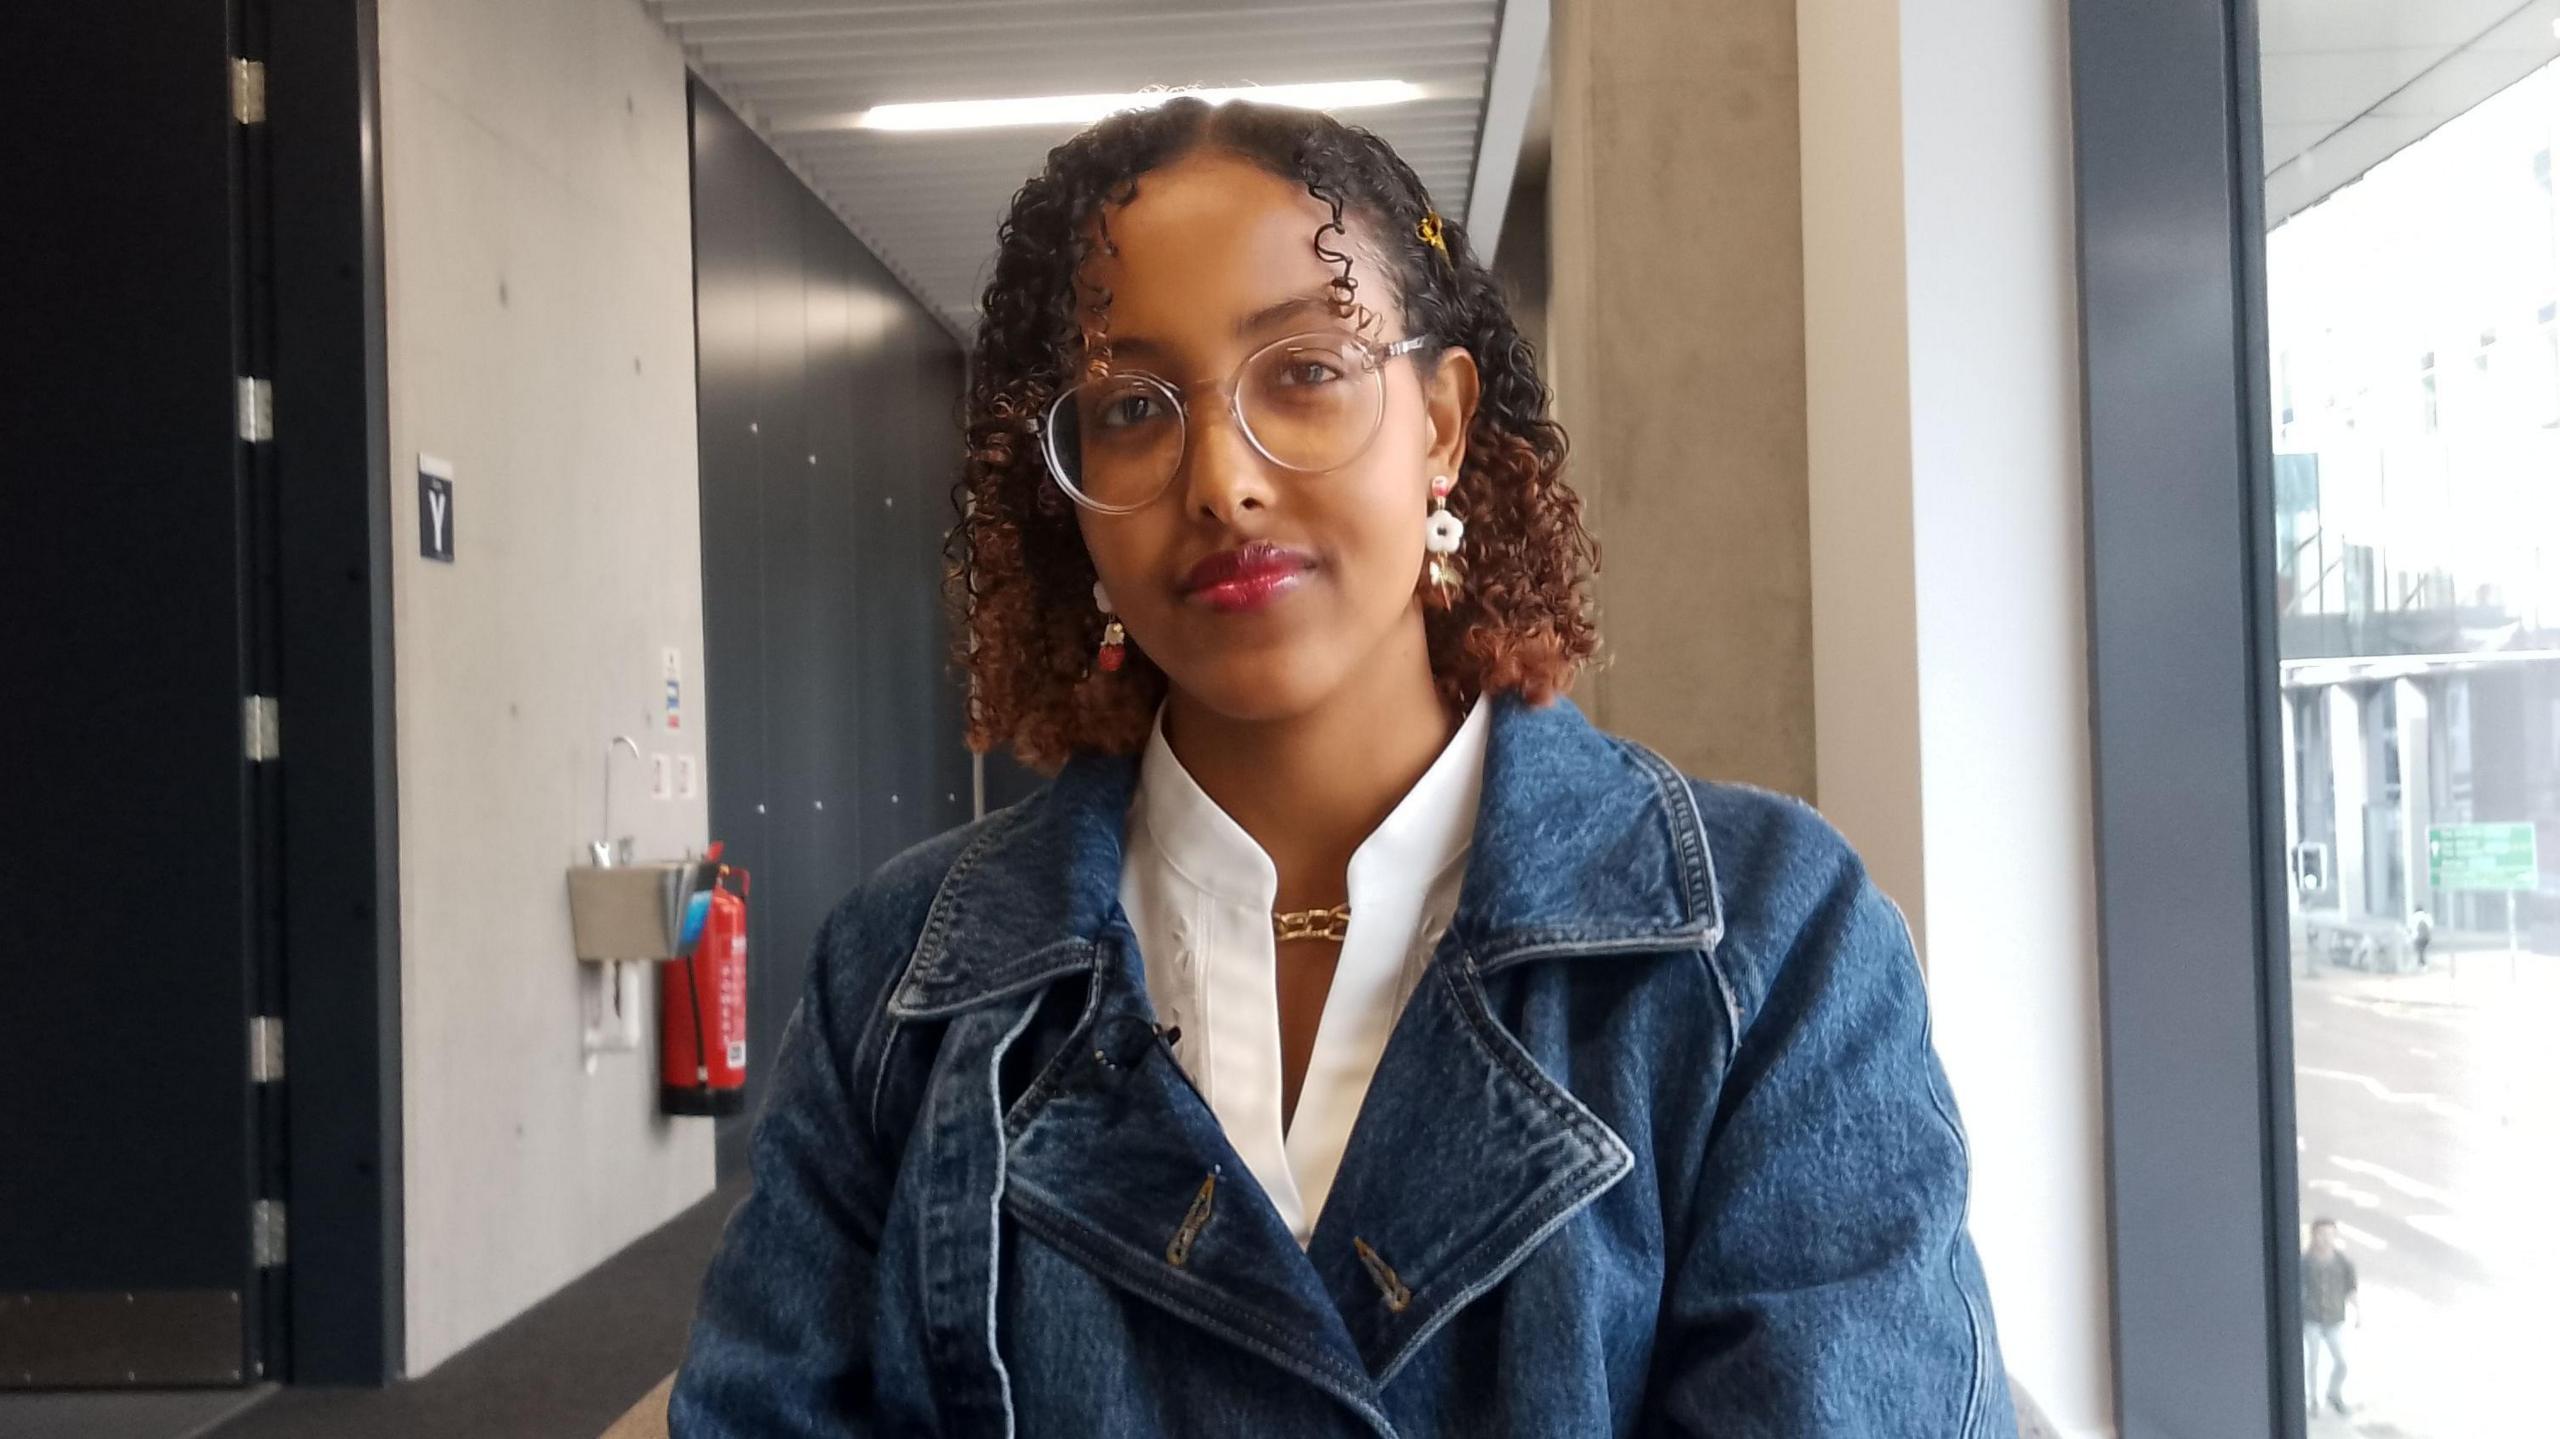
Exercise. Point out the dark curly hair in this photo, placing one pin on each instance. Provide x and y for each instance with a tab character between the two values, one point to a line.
1519	618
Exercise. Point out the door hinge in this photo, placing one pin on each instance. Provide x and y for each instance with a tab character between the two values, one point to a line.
266	1232
257	410
266	1049
262	729
248	91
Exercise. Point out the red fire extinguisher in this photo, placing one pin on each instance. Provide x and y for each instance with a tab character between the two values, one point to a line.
702	1006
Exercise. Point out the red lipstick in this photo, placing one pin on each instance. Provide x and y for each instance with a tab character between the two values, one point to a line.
1248	577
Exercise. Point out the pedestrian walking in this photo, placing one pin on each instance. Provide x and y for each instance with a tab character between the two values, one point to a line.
2328	1298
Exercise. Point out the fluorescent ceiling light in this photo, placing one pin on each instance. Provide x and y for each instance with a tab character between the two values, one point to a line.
1085	109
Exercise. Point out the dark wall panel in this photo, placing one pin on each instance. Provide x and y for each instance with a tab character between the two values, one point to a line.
825	678
338	802
727	259
778	911
827	400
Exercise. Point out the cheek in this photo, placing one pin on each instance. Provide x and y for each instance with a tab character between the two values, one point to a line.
1118	548
1391	491
1378	519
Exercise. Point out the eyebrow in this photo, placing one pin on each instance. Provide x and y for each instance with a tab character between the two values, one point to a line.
1277	310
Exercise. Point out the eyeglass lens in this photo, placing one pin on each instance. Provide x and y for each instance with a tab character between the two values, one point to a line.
1309	403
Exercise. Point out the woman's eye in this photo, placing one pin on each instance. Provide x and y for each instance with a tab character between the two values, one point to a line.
1127	410
1306	371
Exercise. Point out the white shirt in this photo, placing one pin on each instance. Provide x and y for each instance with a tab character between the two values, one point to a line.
1199	892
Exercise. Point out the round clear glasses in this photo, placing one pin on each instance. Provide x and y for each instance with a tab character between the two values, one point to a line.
1308	403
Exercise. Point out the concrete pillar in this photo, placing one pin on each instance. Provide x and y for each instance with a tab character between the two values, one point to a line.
1677	334
2380	852
2292	779
2290	756
2417	789
2347	785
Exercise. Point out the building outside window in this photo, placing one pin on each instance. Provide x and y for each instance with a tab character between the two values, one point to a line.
2419	636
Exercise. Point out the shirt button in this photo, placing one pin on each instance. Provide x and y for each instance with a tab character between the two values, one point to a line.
1181	930
1186	962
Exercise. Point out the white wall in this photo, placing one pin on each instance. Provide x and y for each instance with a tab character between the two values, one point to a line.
1949	623
537	223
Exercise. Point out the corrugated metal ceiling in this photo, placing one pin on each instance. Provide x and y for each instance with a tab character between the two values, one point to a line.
928	203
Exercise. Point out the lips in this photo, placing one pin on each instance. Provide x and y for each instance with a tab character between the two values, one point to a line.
1247	577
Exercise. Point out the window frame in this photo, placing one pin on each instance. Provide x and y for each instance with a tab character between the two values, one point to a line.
2185	716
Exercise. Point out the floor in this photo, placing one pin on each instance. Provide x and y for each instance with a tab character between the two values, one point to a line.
177	1414
569	1368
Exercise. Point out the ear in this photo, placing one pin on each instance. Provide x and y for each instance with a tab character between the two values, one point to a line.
1449	406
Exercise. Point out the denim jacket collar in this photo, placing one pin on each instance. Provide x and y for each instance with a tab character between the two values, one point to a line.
1584	844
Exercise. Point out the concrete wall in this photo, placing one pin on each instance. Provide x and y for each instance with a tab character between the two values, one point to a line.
1949	616
538	254
1676	330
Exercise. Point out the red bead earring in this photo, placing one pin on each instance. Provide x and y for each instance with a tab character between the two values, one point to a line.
1115	639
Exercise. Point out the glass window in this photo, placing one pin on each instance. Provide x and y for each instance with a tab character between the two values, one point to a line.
2550	383
2419	648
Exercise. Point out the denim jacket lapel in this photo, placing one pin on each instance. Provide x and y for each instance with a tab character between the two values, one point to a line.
1468	1157
1115	1160
1470	1154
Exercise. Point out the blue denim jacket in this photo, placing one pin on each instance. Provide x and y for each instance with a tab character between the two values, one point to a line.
1658	1147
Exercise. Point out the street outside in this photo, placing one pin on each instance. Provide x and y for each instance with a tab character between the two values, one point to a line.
2428	1114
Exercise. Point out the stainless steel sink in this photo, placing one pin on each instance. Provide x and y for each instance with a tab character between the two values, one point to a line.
631	911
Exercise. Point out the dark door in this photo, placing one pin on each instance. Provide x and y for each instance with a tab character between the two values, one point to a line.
129	1152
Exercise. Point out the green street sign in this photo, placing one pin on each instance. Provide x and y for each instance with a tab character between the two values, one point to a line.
2481	856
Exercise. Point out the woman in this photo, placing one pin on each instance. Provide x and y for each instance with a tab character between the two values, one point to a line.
1350	1039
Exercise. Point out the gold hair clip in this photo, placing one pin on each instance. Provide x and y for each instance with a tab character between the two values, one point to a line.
1429	230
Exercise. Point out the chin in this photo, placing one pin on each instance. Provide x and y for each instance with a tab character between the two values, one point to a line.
1259	684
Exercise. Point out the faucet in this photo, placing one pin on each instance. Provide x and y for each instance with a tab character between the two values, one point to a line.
606	851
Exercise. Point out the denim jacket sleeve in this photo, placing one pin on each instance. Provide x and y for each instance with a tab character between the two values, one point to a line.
781	1338
1828	1286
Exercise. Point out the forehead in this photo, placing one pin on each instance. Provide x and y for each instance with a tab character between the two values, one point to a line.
1206	242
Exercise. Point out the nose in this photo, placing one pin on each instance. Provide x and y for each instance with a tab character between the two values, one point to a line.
1222	475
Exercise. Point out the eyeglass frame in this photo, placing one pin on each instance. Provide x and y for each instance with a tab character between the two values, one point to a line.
1046	425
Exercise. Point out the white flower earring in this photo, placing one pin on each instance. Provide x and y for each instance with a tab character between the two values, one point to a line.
1442	537
1115	640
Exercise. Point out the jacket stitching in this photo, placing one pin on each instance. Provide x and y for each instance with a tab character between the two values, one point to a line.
948	902
1180	1289
1698	867
1053	1074
882	1020
1976	1397
1610	1161
1545	943
995	1210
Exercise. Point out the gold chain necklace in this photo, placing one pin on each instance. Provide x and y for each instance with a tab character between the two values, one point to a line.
1332	924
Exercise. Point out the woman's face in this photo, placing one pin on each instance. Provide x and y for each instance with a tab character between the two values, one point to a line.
1216	259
